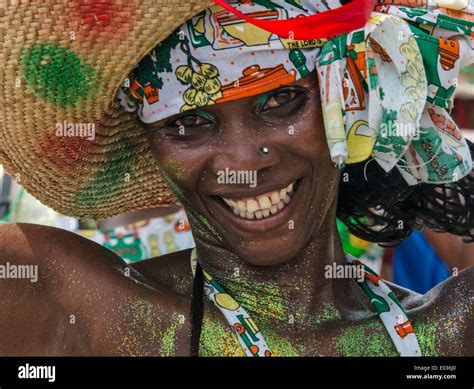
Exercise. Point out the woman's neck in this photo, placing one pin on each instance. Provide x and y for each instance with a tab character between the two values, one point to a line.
297	294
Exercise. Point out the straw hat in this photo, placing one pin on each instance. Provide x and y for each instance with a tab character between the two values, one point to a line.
61	65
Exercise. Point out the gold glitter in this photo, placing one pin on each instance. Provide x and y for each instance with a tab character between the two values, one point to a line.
218	340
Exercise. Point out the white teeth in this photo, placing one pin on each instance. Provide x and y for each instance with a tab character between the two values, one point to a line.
264	202
275	197
252	206
263	205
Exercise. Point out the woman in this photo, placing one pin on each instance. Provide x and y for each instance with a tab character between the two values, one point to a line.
266	247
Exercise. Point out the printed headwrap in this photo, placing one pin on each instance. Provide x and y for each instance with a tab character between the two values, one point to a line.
386	89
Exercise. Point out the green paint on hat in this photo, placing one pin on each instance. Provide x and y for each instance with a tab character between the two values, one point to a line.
57	74
111	178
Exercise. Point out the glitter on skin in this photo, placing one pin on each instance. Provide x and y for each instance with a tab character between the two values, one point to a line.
168	343
218	339
262	300
189	208
328	314
177	172
369	339
143	320
280	346
427	335
455	321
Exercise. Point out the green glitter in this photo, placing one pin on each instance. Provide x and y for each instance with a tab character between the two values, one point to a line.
57	74
427	335
265	300
168	346
329	313
279	346
218	339
180	196
369	339
177	172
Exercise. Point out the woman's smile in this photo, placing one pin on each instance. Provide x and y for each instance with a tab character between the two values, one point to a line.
265	210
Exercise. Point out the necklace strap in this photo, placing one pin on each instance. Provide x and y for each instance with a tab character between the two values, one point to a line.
249	336
389	309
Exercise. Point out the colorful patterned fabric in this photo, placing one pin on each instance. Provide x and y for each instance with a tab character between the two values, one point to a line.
147	238
385	89
253	344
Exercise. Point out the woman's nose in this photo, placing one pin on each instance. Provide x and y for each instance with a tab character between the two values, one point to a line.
249	155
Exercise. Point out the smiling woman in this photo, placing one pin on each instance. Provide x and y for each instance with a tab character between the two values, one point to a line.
299	123
297	182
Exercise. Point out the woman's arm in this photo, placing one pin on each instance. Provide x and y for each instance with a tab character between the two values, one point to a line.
86	301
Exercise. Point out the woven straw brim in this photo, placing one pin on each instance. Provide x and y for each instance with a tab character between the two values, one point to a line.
63	62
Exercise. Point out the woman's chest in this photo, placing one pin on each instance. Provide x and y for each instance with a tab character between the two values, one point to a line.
330	338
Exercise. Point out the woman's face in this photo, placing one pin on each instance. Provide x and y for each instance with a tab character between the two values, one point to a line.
264	206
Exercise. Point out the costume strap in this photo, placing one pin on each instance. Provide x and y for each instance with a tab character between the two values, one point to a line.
389	309
250	338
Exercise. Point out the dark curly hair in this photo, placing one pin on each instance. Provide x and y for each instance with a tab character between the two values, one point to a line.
381	207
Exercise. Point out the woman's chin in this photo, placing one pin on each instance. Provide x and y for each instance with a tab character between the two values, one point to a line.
269	253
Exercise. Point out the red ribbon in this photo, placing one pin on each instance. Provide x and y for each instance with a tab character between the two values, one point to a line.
326	24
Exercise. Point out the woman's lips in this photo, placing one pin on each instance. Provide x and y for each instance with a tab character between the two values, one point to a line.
288	198
261	206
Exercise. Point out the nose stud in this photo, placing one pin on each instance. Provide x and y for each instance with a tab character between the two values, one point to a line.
264	150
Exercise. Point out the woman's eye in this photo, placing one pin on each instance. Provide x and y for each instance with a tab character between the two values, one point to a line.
282	99
279	98
188	121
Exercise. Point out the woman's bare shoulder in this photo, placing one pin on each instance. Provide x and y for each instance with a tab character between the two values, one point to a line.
443	317
172	270
32	240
